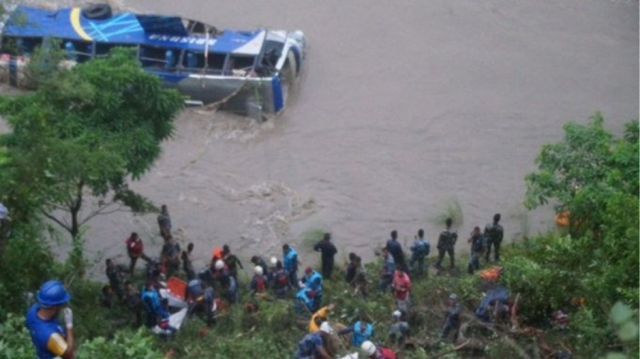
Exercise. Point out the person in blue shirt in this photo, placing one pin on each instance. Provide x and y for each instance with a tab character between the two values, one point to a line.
49	338
477	248
452	319
312	346
290	261
151	301
305	303
419	252
313	280
360	331
386	274
395	249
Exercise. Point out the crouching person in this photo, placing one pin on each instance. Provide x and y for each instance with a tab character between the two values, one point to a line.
313	345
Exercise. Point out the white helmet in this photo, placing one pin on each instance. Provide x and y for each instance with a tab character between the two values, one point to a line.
396	314
368	347
258	270
325	327
219	264
274	261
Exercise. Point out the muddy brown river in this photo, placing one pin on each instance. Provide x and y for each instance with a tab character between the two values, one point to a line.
402	108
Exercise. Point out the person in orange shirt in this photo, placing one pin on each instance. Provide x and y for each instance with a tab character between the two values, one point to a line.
320	316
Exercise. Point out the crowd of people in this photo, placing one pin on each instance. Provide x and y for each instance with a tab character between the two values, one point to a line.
206	289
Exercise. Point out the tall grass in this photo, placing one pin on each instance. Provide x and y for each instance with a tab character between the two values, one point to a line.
449	209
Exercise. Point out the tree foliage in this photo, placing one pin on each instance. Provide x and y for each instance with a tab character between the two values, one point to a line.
83	133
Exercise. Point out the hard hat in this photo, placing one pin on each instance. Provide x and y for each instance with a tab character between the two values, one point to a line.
274	261
368	347
453	296
219	264
53	293
308	270
258	270
396	314
325	327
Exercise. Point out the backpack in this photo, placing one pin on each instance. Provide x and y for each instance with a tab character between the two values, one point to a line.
281	279
260	284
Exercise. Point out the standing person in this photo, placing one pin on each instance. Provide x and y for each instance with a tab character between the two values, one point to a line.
164	222
477	247
171	256
401	289
187	264
135	249
290	261
452	319
313	345
446	244
113	273
133	301
419	252
350	273
280	282
328	251
232	261
494	234
151	301
47	335
386	273
395	248
373	352
360	280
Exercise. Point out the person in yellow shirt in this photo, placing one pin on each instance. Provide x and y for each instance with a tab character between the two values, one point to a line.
318	317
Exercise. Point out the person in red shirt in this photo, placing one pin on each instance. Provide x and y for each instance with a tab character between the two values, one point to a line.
401	289
374	352
135	249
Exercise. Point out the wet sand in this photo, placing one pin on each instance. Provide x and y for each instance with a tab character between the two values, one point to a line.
401	108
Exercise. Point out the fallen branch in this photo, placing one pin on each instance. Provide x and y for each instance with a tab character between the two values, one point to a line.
451	350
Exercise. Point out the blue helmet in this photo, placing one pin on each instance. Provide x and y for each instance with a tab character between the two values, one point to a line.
53	293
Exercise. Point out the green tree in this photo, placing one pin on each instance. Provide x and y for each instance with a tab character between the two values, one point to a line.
82	134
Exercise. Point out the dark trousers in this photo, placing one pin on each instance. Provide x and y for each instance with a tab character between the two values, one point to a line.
474	262
416	259
442	252
496	251
327	267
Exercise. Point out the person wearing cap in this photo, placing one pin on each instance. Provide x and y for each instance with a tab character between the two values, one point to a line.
290	262
259	261
374	352
313	345
313	280
452	318
305	302
328	252
399	330
319	317
258	282
49	338
361	331
401	289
